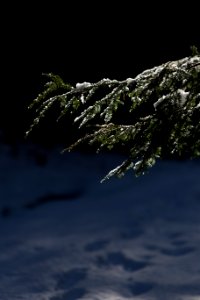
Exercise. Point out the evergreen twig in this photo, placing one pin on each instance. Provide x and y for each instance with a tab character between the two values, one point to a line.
163	109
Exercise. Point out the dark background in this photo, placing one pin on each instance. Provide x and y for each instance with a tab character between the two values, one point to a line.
82	42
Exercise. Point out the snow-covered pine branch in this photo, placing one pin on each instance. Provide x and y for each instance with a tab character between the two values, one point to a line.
162	105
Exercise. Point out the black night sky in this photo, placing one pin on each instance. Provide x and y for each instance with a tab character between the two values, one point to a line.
82	42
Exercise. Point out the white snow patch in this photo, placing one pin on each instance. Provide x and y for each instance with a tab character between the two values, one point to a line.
83	85
130	80
183	96
198	105
82	98
159	101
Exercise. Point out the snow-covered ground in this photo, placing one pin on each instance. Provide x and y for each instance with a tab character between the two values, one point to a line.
65	236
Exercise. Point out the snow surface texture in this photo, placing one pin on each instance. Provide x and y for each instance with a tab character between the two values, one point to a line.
65	236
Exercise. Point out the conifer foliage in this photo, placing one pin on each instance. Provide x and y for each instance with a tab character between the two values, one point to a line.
161	108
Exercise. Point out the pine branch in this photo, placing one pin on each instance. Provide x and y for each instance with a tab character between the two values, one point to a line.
162	105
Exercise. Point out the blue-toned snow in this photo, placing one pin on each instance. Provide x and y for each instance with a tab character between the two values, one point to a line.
65	236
